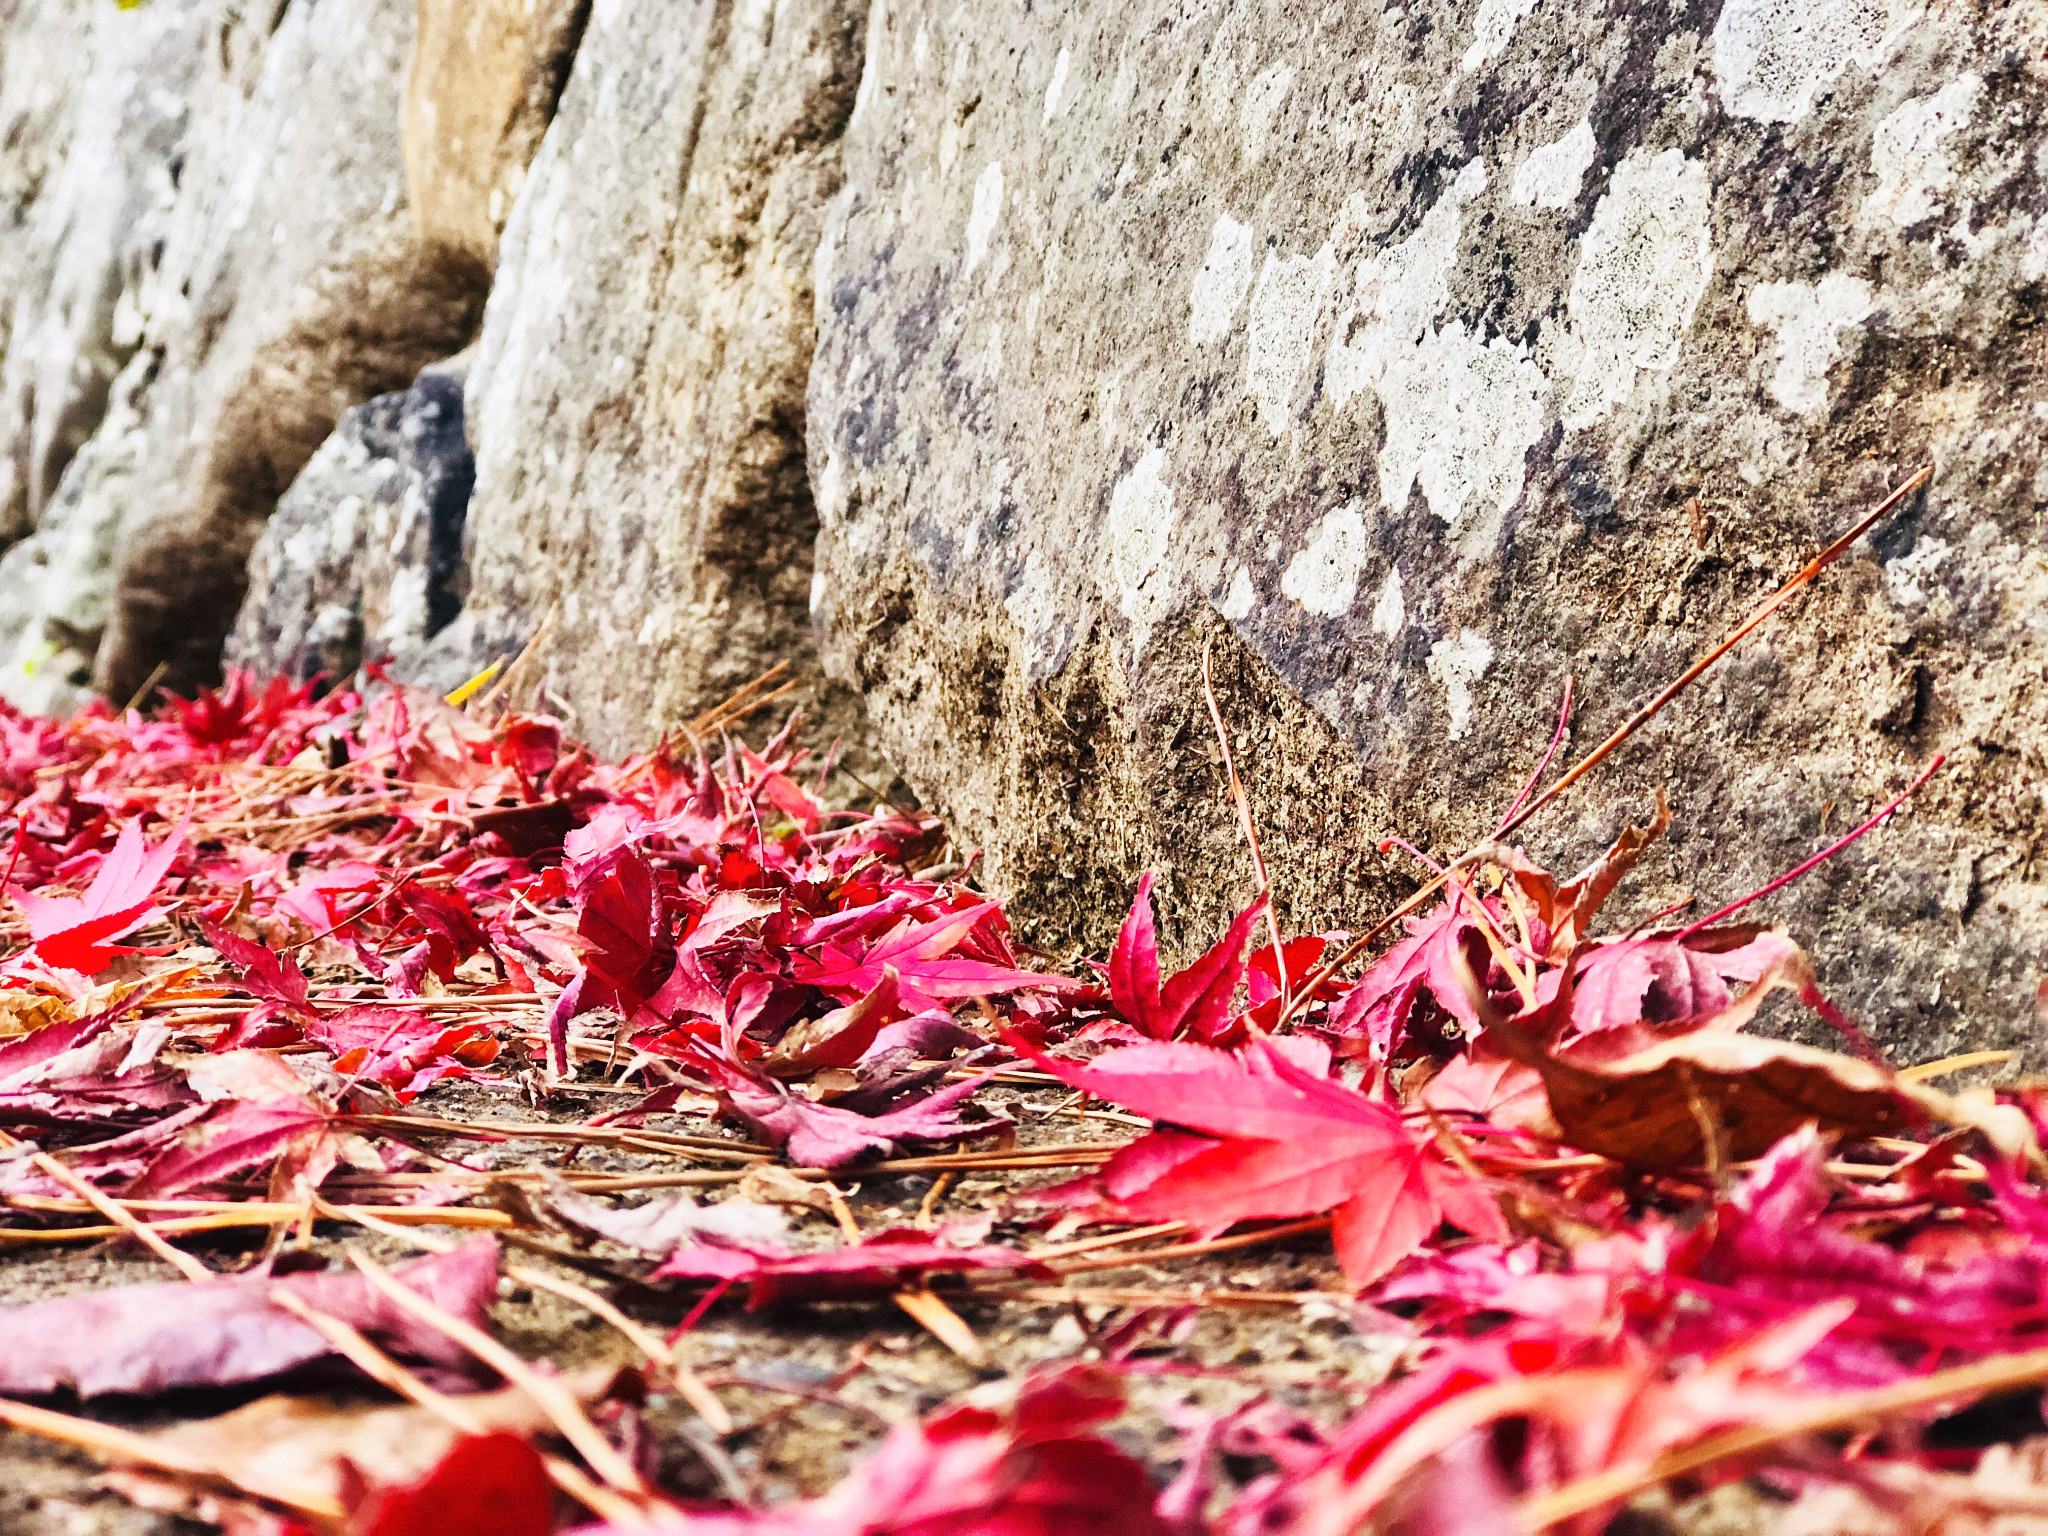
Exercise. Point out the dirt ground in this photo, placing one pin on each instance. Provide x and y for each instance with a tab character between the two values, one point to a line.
811	1388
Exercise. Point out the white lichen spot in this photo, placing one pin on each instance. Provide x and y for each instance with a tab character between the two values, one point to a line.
1390	612
920	46
1772	57
1642	267
1491	29
1221	284
1035	606
1262	101
1806	319
1401	290
1239	601
1136	536
341	537
1323	577
1287	306
827	254
1461	413
2034	254
405	606
831	489
1911	159
988	208
1908	578
1056	87
1552	175
1458	665
1461	418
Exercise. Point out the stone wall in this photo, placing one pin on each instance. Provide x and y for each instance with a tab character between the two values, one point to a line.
637	398
1006	361
1419	357
267	274
94	110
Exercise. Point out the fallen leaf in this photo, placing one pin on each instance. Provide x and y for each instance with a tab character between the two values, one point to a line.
1652	1108
1194	1003
149	1338
72	933
1026	1468
486	1485
1378	1008
23	1013
331	1448
824	1136
1286	1142
885	1262
660	1225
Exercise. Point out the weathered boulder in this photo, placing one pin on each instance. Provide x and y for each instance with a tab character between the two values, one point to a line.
1415	358
363	558
93	107
637	398
479	93
299	285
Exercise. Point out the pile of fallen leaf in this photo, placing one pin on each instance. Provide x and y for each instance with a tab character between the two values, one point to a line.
269	950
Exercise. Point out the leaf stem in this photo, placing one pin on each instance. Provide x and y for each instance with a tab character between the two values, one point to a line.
1819	858
1628	728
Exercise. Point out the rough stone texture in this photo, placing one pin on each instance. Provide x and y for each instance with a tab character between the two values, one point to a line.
302	287
91	112
363	558
1418	357
480	91
93	105
637	399
56	585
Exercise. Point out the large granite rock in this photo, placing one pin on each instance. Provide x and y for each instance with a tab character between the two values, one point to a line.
298	283
638	393
1416	357
93	109
479	93
362	561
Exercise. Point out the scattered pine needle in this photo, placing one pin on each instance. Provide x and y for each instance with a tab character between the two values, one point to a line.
567	1414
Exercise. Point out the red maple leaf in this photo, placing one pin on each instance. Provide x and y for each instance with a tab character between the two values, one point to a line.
926	968
1662	978
487	1485
1379	1007
71	932
1195	1002
885	1262
631	947
1026	1469
1287	1143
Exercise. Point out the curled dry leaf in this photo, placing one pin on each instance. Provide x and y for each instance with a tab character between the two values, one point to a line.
150	1338
1655	1107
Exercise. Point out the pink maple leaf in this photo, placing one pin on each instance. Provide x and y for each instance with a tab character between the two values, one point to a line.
72	932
